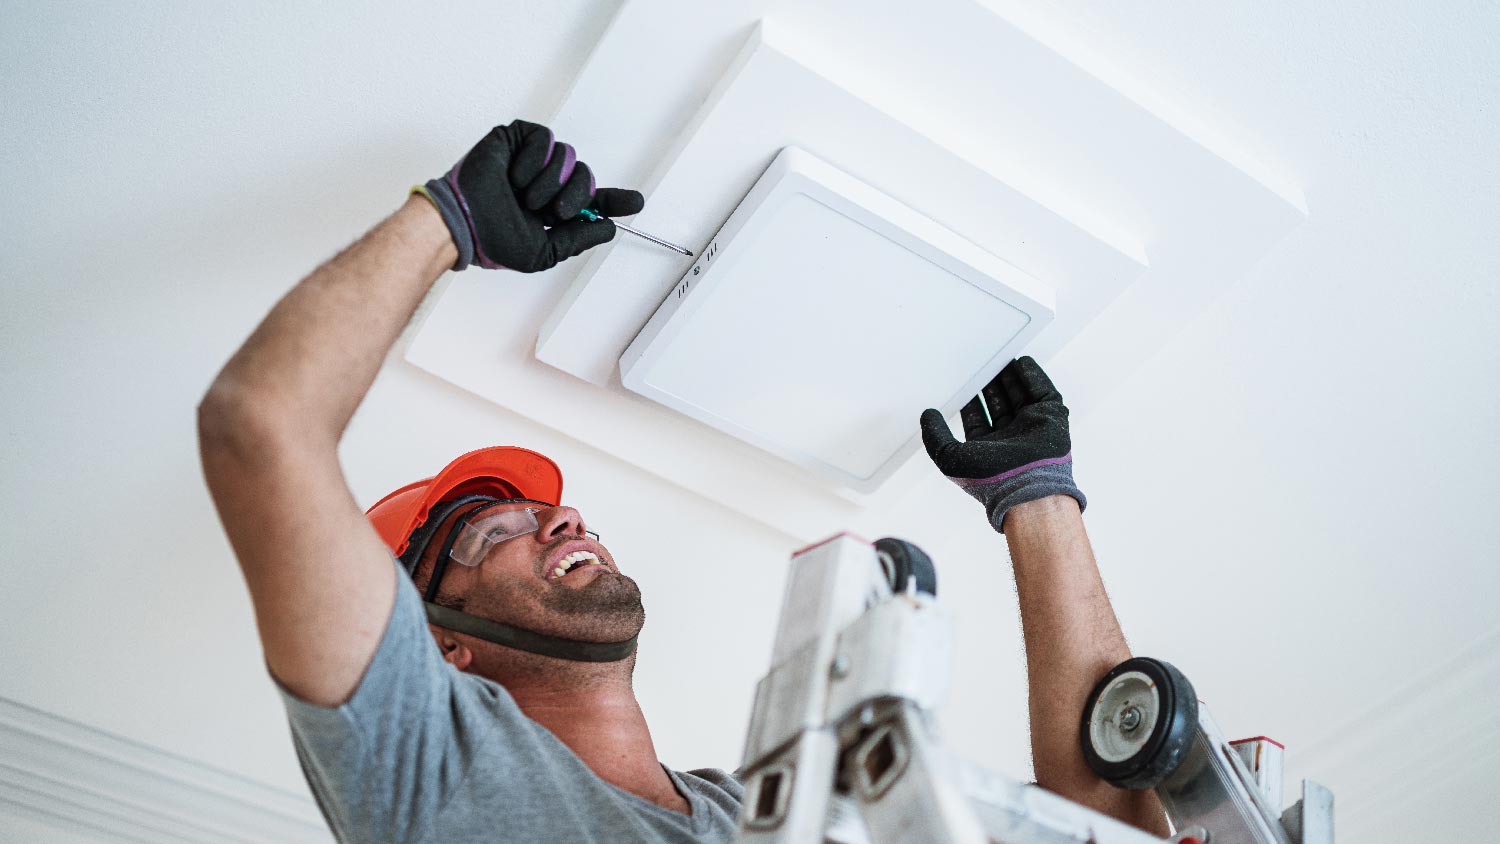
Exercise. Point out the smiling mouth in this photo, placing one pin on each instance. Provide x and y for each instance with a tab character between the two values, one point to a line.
573	561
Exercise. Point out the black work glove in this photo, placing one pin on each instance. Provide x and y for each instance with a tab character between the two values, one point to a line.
511	202
1018	453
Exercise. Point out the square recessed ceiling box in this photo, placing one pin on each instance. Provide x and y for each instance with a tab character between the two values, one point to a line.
821	293
1134	215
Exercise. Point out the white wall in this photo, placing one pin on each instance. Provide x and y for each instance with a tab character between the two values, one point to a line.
1316	451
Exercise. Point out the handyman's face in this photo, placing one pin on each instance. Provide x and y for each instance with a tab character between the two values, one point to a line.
518	582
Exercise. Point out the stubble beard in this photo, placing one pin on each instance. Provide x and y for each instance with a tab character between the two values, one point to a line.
607	609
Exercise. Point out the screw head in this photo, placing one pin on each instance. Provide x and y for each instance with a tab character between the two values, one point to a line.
1130	719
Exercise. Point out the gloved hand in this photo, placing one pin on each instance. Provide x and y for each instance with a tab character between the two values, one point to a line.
511	201
1020	453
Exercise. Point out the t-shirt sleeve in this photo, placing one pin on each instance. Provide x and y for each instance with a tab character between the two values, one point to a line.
382	764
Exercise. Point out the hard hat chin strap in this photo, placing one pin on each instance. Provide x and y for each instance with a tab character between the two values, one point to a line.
529	640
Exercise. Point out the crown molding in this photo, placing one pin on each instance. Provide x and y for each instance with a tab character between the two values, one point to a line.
83	779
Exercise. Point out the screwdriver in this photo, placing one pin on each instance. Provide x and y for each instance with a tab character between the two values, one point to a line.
592	216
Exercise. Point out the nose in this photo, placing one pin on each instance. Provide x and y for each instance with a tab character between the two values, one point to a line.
557	522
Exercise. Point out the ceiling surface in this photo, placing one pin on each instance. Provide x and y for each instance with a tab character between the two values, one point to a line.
1291	499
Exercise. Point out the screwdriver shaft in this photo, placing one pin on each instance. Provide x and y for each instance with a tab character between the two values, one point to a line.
656	240
591	214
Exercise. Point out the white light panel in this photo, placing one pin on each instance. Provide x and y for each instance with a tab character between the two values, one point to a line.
769	99
825	316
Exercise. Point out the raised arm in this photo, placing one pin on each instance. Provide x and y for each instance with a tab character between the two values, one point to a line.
1072	639
321	580
268	431
1017	461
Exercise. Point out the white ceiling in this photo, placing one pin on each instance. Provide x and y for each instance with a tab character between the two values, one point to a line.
1291	500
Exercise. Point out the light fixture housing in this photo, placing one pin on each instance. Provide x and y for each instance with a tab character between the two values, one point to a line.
824	316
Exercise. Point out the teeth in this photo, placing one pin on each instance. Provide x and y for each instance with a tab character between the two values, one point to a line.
574	559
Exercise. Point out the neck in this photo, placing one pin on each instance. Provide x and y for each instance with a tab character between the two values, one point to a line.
592	708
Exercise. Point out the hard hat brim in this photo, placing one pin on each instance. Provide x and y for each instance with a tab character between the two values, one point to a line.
500	471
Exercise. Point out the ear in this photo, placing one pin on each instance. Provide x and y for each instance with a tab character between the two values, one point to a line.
455	652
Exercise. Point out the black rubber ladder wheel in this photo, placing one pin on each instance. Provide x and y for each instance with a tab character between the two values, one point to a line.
1139	723
905	563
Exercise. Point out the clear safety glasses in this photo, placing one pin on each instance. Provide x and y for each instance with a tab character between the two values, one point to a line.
479	533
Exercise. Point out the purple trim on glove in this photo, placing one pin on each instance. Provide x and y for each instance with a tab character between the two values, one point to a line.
551	142
570	160
481	259
1036	480
968	483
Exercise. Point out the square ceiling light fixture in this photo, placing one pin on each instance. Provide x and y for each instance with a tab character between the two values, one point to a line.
825	316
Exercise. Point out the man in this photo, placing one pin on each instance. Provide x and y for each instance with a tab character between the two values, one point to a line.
496	703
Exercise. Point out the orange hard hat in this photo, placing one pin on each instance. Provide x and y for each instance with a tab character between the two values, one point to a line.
499	471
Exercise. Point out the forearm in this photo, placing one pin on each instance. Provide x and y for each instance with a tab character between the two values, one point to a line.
305	369
1072	639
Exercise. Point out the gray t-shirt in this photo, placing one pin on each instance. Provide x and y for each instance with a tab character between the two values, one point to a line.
424	753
